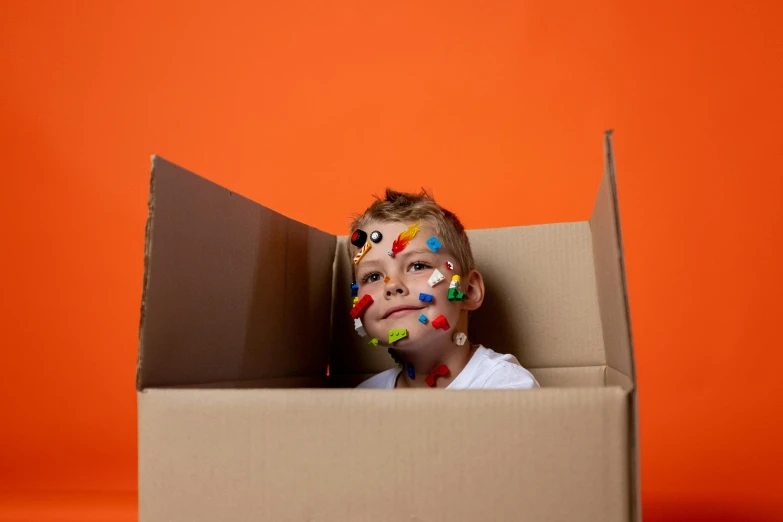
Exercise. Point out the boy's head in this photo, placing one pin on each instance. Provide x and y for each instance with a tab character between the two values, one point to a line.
396	282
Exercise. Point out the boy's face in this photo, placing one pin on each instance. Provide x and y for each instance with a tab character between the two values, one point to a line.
396	303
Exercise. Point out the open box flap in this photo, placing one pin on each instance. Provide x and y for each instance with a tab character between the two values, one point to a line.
233	291
610	271
613	300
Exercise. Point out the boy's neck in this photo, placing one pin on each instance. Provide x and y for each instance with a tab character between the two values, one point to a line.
455	358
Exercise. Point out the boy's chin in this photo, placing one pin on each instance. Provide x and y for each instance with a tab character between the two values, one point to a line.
414	329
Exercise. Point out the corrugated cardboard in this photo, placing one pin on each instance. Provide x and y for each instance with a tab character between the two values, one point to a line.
244	310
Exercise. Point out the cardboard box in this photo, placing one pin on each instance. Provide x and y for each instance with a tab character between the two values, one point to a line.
243	311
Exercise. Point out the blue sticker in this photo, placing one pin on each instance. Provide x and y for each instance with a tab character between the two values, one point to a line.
427	298
411	372
423	319
354	290
434	244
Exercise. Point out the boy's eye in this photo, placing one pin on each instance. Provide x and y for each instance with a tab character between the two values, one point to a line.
418	265
371	277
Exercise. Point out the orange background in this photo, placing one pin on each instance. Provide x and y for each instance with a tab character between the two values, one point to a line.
309	109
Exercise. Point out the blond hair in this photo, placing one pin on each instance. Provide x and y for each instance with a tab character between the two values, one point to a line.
404	207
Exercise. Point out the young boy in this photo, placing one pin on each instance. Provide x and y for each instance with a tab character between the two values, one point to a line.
407	251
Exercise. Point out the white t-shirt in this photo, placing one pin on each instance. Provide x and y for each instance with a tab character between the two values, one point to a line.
486	369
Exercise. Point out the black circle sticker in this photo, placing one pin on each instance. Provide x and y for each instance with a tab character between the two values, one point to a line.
358	238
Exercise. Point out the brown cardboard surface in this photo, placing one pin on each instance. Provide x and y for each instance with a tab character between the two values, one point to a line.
615	378
284	382
558	454
541	300
227	286
610	272
570	376
613	302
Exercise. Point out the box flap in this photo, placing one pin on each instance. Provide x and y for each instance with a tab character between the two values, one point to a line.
610	271
336	455
233	291
541	300
613	301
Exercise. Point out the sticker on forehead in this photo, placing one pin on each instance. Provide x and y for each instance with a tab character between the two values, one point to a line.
435	278
404	238
358	238
359	255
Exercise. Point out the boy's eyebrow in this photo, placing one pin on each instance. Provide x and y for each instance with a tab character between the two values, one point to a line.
417	252
367	262
406	253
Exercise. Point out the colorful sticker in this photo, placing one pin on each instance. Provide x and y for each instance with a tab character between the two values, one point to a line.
440	371
435	278
396	335
427	298
434	244
358	238
441	323
404	238
359	255
359	327
361	306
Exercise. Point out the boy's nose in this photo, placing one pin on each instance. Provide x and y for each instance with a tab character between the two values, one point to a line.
395	287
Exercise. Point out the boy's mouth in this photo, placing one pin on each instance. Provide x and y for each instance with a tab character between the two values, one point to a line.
400	311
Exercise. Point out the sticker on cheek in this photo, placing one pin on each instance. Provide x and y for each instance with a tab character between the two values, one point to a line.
359	327
441	323
435	278
361	306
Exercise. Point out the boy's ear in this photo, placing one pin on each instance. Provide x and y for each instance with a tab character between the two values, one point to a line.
474	291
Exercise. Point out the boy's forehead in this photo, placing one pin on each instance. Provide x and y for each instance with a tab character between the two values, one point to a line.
391	229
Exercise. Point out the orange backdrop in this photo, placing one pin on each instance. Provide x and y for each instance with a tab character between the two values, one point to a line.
308	109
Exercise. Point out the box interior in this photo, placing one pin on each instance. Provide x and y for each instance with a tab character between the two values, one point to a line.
237	295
